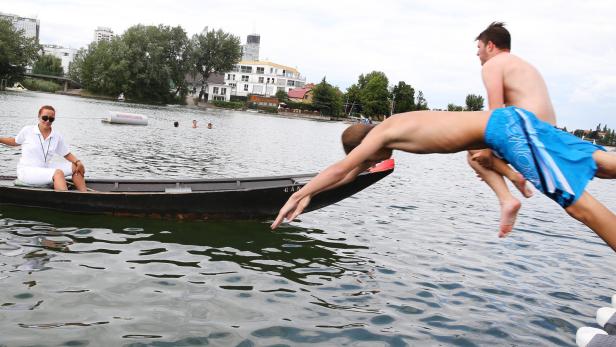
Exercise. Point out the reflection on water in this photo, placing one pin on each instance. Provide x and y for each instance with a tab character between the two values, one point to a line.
413	260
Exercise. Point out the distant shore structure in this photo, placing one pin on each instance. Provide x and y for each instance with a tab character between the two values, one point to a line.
250	51
103	34
30	26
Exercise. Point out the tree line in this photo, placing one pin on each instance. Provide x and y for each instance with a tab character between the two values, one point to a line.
150	63
600	135
371	96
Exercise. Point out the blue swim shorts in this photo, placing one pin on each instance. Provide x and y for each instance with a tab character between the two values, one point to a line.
557	163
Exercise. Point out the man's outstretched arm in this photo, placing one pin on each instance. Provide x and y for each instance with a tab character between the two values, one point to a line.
336	174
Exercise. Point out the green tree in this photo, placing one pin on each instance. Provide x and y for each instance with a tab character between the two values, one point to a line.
74	67
403	97
214	51
48	65
474	102
327	99
374	94
282	96
146	63
353	102
16	52
157	59
421	103
454	108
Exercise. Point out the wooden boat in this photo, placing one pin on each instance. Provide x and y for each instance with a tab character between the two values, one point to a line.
236	198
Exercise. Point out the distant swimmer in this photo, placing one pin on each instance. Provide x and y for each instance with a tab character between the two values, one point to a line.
209	125
176	124
509	81
194	123
559	164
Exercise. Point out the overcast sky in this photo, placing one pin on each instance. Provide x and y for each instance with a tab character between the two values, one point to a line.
428	44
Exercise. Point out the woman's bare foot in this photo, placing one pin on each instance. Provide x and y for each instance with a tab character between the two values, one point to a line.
520	182
509	212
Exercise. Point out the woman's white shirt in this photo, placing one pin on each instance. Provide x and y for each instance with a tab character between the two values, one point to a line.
37	151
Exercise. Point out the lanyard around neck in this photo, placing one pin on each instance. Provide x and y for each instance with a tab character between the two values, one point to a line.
43	148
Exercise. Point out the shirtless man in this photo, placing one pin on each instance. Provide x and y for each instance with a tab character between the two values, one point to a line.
559	164
509	81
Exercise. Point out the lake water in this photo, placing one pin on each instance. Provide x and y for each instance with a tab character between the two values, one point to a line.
412	261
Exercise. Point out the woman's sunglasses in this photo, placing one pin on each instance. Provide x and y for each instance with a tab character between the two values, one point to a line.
48	119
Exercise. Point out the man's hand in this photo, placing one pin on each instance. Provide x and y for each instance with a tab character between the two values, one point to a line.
291	209
484	158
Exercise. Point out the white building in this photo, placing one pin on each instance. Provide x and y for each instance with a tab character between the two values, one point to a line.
250	51
30	26
67	55
103	33
262	78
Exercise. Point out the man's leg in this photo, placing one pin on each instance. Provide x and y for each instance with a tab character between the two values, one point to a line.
606	164
509	205
596	216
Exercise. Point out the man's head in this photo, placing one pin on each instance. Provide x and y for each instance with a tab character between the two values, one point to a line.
354	135
492	41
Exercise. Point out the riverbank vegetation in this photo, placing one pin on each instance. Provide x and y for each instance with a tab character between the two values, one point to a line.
603	136
41	85
150	63
16	53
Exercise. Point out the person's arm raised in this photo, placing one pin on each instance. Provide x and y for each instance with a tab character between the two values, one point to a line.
9	141
336	174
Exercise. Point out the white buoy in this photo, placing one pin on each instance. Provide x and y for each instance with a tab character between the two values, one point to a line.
585	334
126	118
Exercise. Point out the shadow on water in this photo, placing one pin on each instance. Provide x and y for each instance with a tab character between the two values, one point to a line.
288	252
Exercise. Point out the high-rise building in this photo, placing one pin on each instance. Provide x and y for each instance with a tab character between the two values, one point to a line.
103	33
250	51
67	55
30	26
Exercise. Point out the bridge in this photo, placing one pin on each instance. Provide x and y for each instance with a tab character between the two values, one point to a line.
63	80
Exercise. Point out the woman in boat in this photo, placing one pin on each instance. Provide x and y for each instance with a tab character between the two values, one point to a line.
38	144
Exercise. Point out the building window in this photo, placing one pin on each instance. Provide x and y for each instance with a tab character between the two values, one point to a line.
271	70
290	83
261	80
260	70
245	87
246	69
219	98
228	76
244	78
223	91
273	80
215	90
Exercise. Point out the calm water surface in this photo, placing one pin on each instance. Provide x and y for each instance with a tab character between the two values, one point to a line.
412	261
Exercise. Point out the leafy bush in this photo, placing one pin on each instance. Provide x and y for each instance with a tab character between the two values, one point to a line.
41	85
228	104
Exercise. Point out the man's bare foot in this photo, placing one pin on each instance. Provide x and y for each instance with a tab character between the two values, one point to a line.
520	182
509	212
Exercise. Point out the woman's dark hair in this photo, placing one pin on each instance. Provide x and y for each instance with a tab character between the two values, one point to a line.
496	33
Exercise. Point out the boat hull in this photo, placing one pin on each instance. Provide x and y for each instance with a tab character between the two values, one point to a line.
251	198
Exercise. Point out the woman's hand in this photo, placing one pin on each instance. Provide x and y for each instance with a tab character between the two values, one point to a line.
79	167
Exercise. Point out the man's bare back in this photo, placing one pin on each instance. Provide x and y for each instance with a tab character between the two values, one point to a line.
522	83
